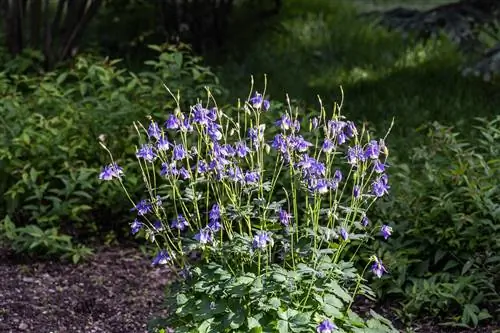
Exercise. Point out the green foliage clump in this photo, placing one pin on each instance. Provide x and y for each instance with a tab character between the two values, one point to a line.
446	211
50	129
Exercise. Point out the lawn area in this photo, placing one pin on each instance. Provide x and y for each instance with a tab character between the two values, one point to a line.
313	47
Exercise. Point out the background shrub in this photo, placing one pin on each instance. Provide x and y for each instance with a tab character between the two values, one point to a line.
50	130
446	213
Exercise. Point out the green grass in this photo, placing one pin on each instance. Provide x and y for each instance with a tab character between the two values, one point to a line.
313	47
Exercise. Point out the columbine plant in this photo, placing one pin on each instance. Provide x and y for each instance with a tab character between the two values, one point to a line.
255	218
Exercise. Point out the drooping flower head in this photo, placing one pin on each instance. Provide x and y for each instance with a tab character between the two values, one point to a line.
378	268
326	326
258	102
179	223
111	171
284	217
386	231
154	130
162	258
204	236
136	226
380	186
143	207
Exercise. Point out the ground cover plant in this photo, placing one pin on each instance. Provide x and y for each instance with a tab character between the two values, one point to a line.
446	215
269	239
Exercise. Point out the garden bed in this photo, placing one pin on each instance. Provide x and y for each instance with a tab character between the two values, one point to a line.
116	291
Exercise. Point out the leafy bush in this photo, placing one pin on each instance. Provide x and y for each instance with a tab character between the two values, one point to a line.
258	244
444	257
50	131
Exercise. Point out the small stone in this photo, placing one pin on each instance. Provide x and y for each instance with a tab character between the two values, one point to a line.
23	326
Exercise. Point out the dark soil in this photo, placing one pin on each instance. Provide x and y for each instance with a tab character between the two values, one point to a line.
116	291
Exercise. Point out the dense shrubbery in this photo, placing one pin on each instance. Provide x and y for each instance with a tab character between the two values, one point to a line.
50	131
445	209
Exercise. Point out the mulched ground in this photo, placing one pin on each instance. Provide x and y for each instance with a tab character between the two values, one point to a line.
117	291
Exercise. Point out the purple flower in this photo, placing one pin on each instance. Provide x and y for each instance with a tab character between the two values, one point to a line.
284	217
372	150
214	213
204	236
143	207
341	138
320	185
172	122
351	129
111	171
154	130
256	135
179	152
285	123
328	146
136	226
214	225
241	149
355	155
262	239
212	114
280	144
326	326
184	174
252	177
344	234
146	152
214	131
179	223
365	221
163	144
236	175
158	226
258	102
186	125
355	191
202	167
314	123
200	115
337	176
335	127
378	268
378	166
299	143
380	187
385	231
161	258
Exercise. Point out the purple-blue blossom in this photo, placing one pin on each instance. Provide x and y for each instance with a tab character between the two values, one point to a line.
172	122
344	234
111	171
378	267
179	152
161	258
378	166
386	231
326	326
261	239
163	144
146	152
143	207
258	102
179	223
154	130
284	217
372	150
204	236
380	186
136	226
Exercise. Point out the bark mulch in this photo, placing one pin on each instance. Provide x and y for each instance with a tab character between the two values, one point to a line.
116	291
